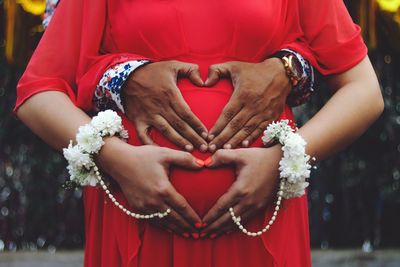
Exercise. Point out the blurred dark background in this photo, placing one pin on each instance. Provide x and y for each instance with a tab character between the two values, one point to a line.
354	197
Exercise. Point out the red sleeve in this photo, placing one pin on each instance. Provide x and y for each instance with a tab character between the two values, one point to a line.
67	58
334	41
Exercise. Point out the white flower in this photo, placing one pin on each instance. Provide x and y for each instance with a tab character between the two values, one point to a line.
294	169
124	134
278	131
78	175
77	158
89	139
81	176
89	178
294	190
294	145
74	173
107	122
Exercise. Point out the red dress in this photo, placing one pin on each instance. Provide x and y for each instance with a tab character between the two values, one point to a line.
87	37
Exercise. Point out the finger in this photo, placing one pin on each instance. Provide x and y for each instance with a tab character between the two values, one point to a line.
217	225
164	225
244	132
256	133
177	202
183	159
232	128
177	223
174	223
191	71
183	110
142	130
223	157
186	131
216	72
228	225
229	199
232	108
163	126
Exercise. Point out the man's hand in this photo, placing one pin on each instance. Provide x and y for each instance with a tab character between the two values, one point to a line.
152	99
259	97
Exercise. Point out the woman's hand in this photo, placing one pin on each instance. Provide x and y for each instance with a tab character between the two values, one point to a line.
152	99
259	97
142	174
253	190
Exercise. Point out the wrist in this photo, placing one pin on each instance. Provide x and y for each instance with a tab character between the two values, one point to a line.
294	167
276	64
106	159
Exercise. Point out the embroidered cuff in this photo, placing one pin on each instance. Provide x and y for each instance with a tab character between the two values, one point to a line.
108	91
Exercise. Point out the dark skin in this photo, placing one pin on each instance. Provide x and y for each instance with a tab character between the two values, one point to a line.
152	99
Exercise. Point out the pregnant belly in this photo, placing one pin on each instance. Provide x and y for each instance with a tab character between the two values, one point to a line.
201	188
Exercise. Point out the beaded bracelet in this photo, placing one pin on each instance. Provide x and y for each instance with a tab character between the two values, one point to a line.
89	140
294	169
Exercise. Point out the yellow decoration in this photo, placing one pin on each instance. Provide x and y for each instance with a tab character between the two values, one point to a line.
389	5
35	7
10	8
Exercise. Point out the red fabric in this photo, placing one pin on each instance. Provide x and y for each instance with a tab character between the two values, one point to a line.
86	37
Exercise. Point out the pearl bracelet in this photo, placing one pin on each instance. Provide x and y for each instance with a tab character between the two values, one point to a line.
237	219
294	169
89	140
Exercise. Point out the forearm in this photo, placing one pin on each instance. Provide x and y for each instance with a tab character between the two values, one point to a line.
356	104
52	116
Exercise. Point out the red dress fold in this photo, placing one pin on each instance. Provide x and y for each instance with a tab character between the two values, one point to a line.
88	36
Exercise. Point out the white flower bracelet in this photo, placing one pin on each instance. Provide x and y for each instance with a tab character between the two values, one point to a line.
294	168
89	140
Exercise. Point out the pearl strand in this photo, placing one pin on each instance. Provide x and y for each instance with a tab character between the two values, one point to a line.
121	207
237	219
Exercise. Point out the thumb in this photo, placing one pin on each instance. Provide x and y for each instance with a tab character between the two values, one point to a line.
215	72
222	157
192	72
183	159
143	133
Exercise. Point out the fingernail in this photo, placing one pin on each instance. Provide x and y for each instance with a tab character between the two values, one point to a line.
212	236
203	235
204	225
186	235
245	143
204	135
188	147
211	137
212	147
195	235
203	148
227	146
206	82
208	161
200	162
198	225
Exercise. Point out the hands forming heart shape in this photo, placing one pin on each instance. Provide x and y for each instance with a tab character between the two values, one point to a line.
152	99
142	173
